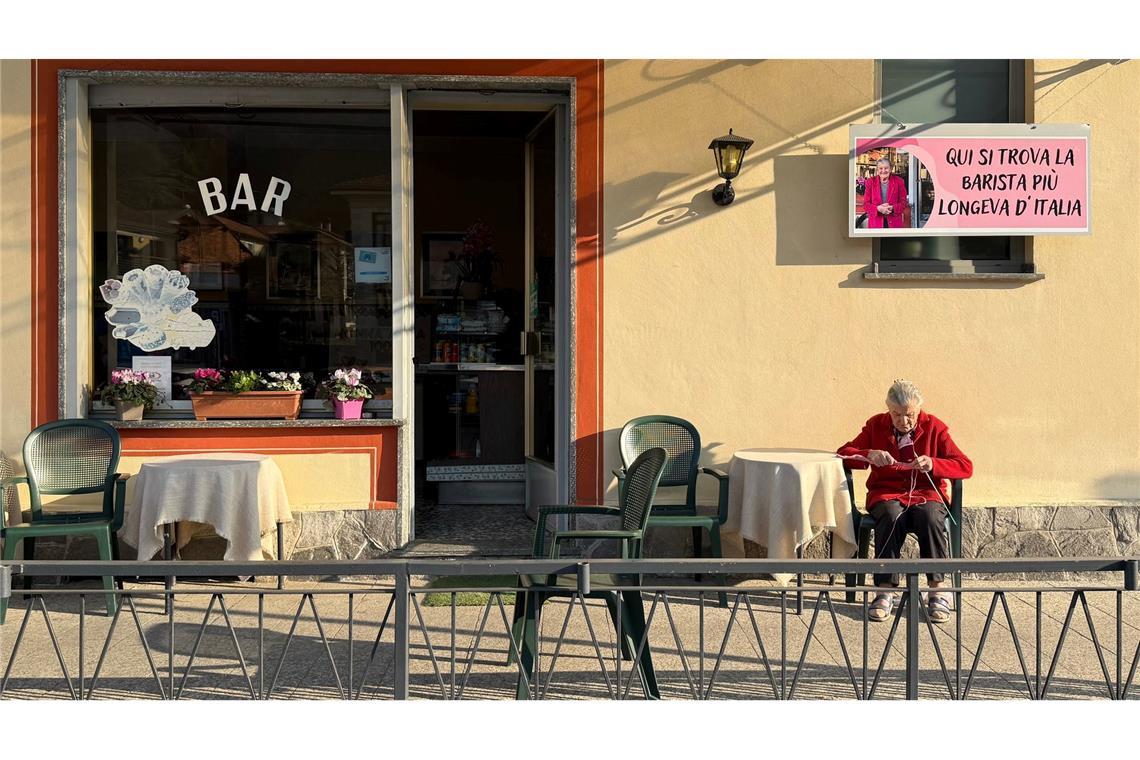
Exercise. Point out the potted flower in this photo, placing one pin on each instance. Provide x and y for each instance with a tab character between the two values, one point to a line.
346	393
131	393
245	394
477	263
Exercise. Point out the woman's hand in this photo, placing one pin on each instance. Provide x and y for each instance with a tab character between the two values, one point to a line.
880	458
884	209
923	463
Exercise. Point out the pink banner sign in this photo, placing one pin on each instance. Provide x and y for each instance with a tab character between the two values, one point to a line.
952	185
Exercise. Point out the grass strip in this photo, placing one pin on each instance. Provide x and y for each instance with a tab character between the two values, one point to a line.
442	598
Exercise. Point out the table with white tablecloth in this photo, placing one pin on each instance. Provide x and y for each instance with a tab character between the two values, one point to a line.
783	498
241	496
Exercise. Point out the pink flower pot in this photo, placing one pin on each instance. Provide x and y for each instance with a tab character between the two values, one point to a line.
348	410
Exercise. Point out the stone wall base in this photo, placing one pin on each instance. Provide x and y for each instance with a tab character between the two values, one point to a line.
991	533
356	534
987	533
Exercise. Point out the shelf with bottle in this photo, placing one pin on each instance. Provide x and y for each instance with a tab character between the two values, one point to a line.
446	351
443	367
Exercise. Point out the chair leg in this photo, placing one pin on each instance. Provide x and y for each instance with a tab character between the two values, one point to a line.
116	557
103	540
517	626
29	554
626	649
8	555
955	532
715	551
529	643
857	579
697	547
634	610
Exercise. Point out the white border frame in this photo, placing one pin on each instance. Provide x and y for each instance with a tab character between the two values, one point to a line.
1023	131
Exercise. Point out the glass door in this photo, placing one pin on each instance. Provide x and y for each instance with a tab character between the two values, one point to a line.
541	342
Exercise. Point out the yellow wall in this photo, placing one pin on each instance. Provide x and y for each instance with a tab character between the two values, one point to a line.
314	482
754	320
15	253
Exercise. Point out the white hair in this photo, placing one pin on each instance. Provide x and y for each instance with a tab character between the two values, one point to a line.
886	161
904	393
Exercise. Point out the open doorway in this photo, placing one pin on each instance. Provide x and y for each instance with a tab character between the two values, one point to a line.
486	235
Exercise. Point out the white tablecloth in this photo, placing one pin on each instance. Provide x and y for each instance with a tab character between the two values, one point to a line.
242	496
781	499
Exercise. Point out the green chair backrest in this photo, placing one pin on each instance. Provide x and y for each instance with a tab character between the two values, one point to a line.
70	457
680	440
639	487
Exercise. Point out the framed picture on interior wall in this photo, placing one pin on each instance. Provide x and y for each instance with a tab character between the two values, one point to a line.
292	271
440	256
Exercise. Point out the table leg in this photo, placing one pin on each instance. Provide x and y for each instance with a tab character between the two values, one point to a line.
800	583
168	555
830	555
280	552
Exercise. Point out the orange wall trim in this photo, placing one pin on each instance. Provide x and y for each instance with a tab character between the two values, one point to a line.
378	442
587	258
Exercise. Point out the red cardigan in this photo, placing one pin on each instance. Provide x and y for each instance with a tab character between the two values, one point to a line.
931	437
873	196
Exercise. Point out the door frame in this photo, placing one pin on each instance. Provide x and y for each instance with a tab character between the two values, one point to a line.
491	100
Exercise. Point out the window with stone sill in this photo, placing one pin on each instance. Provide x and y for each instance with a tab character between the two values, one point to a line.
952	91
284	287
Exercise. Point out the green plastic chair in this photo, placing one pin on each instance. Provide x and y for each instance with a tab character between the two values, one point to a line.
682	442
635	498
69	457
864	526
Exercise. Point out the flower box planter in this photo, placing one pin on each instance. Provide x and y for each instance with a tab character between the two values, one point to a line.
127	411
348	410
249	405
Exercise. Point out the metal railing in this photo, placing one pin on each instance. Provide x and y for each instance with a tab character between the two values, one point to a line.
388	629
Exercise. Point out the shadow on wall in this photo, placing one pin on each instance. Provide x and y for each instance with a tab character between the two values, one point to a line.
812	210
706	485
641	193
1122	485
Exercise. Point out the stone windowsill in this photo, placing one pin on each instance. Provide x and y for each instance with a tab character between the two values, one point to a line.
310	422
957	276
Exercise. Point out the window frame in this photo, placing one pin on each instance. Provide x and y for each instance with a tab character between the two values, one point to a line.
82	94
1020	260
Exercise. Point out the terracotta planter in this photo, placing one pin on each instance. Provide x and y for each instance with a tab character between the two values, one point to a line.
259	405
348	410
129	411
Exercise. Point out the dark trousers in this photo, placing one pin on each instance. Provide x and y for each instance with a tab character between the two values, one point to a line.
927	521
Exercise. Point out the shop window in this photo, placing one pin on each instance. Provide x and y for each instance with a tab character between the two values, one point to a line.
941	92
293	283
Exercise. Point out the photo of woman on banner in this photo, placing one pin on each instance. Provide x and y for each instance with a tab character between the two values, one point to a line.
885	200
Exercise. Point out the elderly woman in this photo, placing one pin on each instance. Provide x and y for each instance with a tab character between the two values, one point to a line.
884	198
909	451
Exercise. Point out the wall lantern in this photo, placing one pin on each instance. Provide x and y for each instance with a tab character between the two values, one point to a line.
729	152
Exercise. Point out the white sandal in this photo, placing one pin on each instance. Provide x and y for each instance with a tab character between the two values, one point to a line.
938	606
881	607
